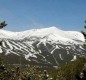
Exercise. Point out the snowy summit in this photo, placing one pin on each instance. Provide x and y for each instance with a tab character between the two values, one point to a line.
51	33
46	46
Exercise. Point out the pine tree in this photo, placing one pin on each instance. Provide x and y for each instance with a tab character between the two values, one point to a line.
2	24
83	32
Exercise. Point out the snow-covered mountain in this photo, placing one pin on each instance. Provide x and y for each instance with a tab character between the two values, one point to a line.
46	46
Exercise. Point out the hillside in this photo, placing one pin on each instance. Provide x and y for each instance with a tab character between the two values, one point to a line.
46	46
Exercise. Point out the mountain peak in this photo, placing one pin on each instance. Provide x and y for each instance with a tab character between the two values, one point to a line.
56	32
47	46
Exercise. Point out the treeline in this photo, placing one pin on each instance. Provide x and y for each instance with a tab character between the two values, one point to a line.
70	71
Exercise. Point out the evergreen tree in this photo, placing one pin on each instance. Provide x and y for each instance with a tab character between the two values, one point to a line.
83	32
2	24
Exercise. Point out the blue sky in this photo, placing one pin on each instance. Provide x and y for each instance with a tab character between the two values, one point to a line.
28	14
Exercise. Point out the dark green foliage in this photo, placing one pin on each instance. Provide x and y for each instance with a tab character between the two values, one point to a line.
1	60
84	32
2	24
70	70
65	72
